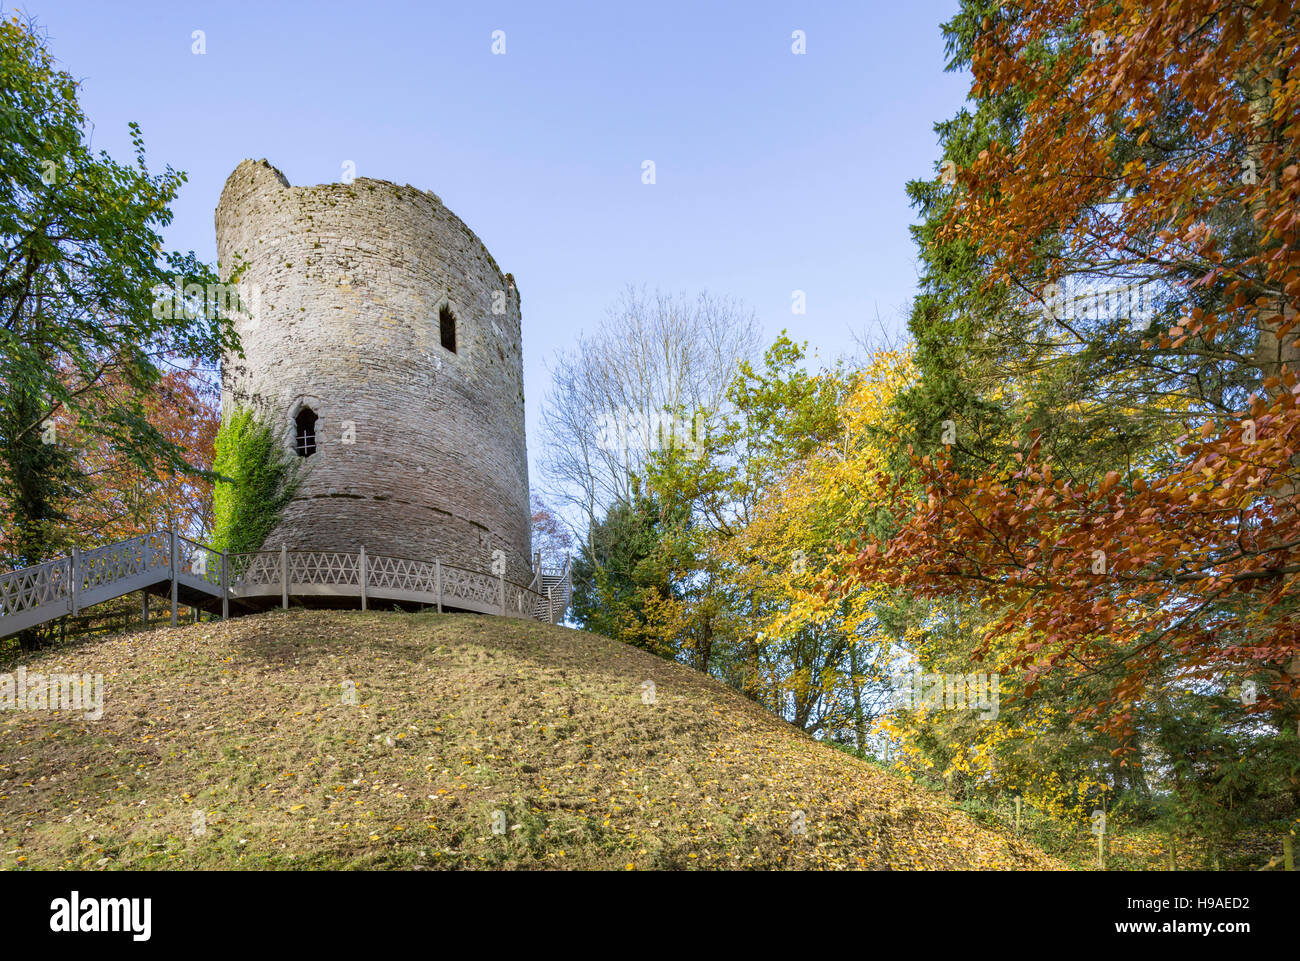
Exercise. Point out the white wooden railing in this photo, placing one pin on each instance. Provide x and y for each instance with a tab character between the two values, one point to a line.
201	575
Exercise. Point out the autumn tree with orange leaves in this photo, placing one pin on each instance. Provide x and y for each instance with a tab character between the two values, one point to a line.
131	499
1113	478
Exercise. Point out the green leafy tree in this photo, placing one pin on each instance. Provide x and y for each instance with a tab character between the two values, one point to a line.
776	414
623	573
81	269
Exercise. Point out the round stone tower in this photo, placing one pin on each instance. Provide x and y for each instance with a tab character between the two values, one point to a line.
383	341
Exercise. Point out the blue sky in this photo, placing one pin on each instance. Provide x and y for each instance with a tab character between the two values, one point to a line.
775	172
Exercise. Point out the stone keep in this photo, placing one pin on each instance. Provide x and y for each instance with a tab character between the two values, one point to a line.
348	293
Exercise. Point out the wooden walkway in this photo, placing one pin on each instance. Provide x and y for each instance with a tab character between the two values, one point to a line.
194	575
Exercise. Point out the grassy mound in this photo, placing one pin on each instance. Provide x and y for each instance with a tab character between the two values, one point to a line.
385	740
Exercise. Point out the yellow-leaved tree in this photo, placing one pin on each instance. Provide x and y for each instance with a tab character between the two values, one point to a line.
828	655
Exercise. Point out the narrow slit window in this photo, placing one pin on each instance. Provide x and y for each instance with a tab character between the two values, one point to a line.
304	432
447	327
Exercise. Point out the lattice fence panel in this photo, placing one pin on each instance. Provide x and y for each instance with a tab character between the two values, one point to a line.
31	587
198	560
103	566
521	602
402	574
325	568
462	585
250	571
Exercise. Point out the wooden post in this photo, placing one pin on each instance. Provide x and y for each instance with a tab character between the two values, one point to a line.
501	594
225	585
172	566
75	568
362	567
1101	852
550	604
1017	813
1173	857
284	577
437	575
1288	853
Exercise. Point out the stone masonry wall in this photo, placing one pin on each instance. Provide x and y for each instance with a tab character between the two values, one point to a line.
346	283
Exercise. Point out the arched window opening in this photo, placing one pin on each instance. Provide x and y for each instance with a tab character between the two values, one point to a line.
447	327
304	432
